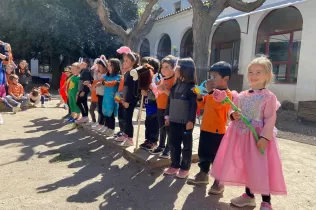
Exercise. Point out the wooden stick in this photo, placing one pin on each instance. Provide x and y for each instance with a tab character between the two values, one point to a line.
139	119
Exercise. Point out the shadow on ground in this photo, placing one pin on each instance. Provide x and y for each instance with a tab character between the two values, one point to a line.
120	184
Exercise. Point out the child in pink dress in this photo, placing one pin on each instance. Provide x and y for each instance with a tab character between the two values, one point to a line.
238	161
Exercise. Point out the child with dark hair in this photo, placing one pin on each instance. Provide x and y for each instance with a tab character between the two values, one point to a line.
151	122
44	90
101	71
23	73
180	116
168	67
36	97
109	106
130	97
213	125
83	90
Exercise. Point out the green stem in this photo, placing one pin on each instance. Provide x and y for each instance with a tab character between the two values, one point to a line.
245	120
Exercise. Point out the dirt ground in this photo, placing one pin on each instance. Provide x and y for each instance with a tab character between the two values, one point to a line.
45	164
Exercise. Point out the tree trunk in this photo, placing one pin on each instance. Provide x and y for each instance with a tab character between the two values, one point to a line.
202	28
131	42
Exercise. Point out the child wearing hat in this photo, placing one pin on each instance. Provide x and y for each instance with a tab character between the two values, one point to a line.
213	125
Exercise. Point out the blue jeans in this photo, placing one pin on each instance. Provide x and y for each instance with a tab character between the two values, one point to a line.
10	102
23	100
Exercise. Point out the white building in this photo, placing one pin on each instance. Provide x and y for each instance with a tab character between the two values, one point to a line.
283	29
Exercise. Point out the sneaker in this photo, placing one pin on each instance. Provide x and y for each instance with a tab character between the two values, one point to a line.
183	174
200	178
72	120
216	188
90	123
150	146
109	132
157	151
15	109
83	120
43	106
128	142
171	171
94	125
120	139
65	106
98	127
118	134
165	155
265	206
244	201
143	145
58	104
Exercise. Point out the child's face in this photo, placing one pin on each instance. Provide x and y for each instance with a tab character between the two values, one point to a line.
110	68
8	69
83	65
75	70
22	65
15	81
217	81
128	63
101	69
167	70
257	76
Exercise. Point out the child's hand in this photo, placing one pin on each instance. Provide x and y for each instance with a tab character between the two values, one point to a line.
144	92
98	84
125	104
236	115
86	83
1	99
263	143
82	94
167	123
189	126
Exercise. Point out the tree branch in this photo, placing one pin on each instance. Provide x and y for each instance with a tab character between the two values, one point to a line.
243	6
145	15
150	23
196	3
104	17
92	4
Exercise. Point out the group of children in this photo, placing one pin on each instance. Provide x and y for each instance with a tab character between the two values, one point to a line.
14	81
171	108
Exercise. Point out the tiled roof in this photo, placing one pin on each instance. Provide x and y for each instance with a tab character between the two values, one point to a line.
175	13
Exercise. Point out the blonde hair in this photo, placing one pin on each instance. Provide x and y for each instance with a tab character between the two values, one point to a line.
267	65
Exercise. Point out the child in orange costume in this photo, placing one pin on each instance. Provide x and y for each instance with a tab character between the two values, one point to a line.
62	87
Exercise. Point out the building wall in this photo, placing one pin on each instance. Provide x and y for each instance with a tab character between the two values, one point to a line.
305	89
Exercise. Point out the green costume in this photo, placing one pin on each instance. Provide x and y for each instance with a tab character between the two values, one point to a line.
72	92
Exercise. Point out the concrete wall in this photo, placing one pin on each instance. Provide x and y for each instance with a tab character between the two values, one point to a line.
305	89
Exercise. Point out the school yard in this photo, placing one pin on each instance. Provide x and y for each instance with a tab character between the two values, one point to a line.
46	164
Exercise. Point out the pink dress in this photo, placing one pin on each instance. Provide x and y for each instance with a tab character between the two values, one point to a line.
238	161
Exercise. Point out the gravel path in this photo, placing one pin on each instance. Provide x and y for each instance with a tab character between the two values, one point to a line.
45	164
290	128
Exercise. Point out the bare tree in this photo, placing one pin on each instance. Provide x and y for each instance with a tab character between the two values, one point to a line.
204	16
130	36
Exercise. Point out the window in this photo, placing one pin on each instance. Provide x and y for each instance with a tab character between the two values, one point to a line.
279	37
177	6
45	63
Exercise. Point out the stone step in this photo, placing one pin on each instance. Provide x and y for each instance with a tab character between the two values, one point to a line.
142	156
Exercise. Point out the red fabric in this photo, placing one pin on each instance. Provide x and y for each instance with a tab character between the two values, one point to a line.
62	88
